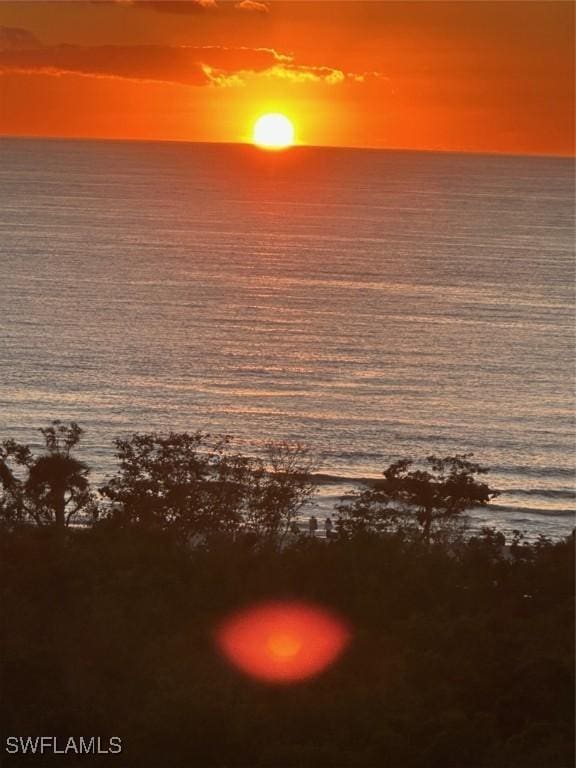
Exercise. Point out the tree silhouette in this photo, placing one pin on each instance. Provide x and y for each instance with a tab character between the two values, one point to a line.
49	489
278	488
417	498
162	481
196	485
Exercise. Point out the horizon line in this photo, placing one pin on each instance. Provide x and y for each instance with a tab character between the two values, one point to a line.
429	150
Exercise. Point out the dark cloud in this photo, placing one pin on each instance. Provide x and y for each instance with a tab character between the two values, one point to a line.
187	7
174	6
21	52
16	39
172	64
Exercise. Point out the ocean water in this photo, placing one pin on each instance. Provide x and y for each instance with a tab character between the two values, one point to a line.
371	304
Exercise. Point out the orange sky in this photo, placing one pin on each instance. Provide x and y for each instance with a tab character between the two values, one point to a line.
471	76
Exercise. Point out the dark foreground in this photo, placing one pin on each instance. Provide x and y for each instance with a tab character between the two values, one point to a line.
460	658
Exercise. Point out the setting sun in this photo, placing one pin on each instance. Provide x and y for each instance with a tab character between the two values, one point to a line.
273	131
282	642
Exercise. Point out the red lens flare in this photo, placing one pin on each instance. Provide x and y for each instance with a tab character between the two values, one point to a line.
282	642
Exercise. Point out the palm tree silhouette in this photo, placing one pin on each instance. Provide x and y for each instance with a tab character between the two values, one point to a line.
55	486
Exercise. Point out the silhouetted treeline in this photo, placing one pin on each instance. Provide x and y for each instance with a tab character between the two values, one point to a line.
461	652
195	485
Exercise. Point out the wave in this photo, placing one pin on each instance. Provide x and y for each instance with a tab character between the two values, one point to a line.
325	480
531	471
545	494
515	509
322	478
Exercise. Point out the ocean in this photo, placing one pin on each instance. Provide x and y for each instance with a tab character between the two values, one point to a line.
373	305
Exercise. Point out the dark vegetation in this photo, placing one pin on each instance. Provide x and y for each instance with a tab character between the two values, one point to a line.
462	652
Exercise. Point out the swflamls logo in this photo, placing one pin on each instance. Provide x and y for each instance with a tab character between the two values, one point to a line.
66	745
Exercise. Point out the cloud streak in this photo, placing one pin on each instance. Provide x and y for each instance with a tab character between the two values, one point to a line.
184	7
187	7
179	65
253	6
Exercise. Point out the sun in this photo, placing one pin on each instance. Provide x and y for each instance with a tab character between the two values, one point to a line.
282	641
273	131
